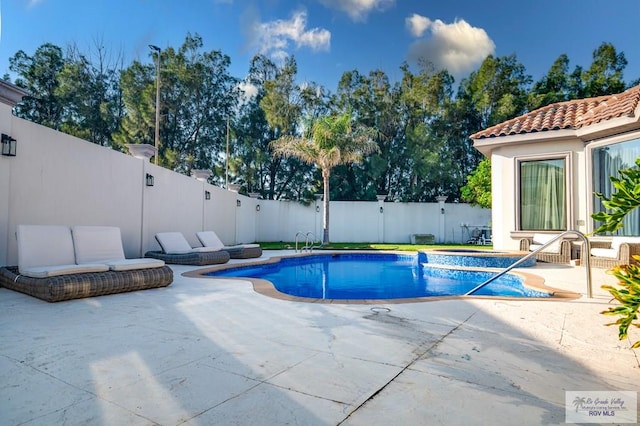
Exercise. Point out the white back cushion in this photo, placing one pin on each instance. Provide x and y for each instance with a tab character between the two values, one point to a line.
95	244
173	242
44	245
210	239
617	241
541	239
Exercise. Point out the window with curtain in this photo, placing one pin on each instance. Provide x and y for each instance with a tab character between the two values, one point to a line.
543	195
607	162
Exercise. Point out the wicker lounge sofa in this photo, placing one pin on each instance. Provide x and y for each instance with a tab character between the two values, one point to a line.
240	251
557	252
618	251
177	250
57	263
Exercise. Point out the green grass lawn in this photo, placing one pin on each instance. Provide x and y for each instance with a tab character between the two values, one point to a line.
369	246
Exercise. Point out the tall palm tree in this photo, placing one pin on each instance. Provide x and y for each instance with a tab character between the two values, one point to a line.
330	141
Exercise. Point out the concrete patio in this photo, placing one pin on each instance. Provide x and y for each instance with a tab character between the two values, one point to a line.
204	351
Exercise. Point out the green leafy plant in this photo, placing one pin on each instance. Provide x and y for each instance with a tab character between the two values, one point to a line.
628	294
477	191
624	200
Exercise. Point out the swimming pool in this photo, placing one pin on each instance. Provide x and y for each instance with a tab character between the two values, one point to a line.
380	276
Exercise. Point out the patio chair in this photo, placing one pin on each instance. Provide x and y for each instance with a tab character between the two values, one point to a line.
103	244
558	252
51	267
177	250
239	251
475	236
618	251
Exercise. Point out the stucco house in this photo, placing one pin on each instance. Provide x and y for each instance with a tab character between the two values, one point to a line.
547	165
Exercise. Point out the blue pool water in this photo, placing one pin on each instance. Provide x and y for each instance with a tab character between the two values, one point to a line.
375	276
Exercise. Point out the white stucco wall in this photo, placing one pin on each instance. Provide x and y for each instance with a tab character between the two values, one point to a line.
60	179
6	170
504	186
358	221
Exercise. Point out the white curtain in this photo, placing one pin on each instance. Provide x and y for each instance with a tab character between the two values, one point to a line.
543	195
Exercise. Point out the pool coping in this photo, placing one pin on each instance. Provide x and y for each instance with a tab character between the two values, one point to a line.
266	288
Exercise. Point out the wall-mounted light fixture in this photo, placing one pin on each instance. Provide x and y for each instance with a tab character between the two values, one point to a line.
317	209
257	207
207	195
238	203
8	145
149	180
381	209
442	210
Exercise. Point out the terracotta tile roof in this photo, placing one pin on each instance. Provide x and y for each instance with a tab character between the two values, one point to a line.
568	115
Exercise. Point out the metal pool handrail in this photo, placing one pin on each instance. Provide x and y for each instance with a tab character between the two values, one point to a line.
533	253
308	241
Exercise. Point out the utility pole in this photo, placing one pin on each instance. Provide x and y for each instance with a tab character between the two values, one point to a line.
157	135
226	174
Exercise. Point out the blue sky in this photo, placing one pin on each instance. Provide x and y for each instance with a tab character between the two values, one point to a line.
329	37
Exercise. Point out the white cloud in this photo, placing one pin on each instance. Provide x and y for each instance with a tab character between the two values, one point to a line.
358	10
273	38
250	90
457	47
417	24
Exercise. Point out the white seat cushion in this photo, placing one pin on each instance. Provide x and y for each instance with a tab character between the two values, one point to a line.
240	246
205	249
604	252
210	239
97	244
541	239
56	270
173	243
44	245
133	264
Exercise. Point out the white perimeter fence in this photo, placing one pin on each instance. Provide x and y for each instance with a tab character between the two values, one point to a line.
59	179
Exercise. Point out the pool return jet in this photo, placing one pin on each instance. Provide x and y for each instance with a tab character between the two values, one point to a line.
533	253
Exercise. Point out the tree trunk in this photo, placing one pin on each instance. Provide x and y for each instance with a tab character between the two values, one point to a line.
325	216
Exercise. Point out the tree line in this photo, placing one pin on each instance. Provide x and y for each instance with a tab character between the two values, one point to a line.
421	123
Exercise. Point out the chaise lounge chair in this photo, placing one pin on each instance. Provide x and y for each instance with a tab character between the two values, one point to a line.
240	251
177	250
57	263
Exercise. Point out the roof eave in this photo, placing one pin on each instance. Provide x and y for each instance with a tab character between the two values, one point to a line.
487	145
609	127
11	94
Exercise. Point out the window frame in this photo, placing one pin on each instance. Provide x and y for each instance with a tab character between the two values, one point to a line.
567	157
589	184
